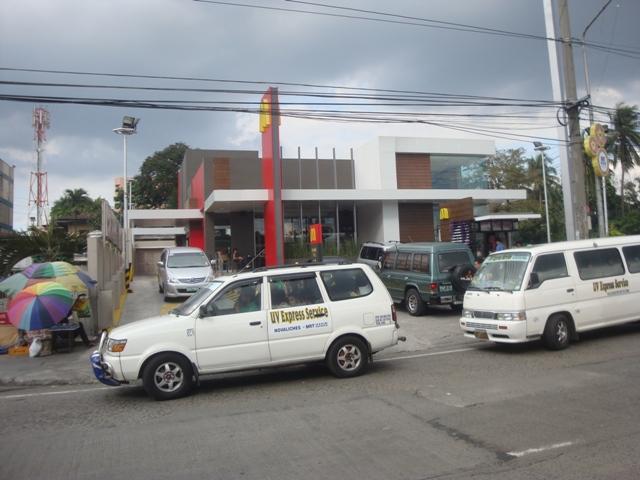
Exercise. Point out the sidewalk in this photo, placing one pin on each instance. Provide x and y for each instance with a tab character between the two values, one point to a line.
74	368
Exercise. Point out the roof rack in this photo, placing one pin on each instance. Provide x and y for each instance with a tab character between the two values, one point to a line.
307	263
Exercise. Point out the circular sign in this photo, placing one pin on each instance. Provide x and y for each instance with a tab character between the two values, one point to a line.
601	164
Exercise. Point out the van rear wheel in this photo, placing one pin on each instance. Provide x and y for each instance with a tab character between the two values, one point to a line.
348	357
557	333
413	302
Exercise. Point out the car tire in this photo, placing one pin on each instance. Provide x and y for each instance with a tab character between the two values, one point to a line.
347	357
413	302
167	376
461	277
557	333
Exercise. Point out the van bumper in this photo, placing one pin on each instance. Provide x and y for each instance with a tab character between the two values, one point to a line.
502	332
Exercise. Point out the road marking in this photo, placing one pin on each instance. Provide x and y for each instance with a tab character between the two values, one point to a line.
419	355
540	449
42	394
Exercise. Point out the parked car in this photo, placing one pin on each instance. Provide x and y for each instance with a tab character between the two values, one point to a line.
182	271
554	291
372	252
422	274
339	314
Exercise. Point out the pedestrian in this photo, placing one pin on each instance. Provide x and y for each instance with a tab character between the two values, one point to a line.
499	245
237	259
477	262
73	319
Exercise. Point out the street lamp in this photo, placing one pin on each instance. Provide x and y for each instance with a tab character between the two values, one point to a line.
539	147
601	198
129	125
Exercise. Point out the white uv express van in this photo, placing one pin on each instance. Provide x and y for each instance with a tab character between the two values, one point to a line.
554	291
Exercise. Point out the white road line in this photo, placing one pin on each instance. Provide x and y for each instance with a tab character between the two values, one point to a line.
420	355
541	449
42	394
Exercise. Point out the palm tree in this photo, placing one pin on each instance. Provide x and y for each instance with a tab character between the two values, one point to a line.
625	141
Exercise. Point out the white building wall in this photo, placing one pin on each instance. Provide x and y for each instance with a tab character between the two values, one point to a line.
369	218
366	166
390	221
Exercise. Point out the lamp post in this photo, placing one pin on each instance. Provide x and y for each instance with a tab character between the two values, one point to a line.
539	147
129	125
601	197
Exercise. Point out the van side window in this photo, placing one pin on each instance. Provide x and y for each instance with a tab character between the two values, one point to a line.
294	291
599	263
632	255
389	260
550	266
403	262
448	260
237	298
421	262
374	253
343	284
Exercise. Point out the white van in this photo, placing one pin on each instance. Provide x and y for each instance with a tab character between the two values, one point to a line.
341	314
554	291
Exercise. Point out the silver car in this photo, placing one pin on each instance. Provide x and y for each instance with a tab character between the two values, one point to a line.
182	271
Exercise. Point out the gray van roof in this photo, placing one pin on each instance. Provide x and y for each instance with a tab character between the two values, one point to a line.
430	246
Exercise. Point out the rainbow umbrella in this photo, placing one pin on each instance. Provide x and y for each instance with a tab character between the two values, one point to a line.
13	284
50	270
40	306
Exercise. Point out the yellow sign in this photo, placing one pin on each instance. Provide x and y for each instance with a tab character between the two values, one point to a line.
444	214
594	145
265	115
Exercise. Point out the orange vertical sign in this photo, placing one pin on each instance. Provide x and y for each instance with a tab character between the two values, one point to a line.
315	234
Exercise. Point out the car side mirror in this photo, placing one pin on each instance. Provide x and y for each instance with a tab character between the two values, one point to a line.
203	311
534	281
160	264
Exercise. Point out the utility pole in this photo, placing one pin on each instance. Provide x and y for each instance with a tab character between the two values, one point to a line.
575	138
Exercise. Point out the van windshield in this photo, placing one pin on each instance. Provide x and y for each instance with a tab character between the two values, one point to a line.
502	271
187	260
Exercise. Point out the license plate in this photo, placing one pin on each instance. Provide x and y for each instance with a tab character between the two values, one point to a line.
445	287
481	334
191	290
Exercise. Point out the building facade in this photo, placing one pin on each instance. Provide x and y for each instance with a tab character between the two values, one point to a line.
392	188
6	197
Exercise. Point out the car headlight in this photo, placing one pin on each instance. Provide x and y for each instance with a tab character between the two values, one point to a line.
172	279
115	345
511	316
466	313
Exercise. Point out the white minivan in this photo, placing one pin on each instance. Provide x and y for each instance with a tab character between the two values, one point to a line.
554	291
341	314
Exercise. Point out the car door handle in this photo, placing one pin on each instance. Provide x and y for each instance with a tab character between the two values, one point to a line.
253	324
569	290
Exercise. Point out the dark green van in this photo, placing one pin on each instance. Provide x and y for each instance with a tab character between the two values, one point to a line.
422	274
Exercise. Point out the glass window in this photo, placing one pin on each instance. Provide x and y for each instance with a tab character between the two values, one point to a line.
550	266
501	271
187	260
632	255
421	263
196	299
343	284
448	260
605	262
239	298
294	291
403	261
389	260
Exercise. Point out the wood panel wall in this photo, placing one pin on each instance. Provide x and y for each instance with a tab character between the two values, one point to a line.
413	170
416	222
221	174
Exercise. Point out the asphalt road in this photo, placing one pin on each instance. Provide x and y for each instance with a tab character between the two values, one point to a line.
454	409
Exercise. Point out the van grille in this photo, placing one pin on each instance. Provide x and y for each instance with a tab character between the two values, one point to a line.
482	326
192	280
487	315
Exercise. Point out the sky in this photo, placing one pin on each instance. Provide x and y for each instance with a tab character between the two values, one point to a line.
275	46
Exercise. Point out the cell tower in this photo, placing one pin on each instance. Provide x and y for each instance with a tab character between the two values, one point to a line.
38	190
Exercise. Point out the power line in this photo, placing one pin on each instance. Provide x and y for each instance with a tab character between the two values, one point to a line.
420	22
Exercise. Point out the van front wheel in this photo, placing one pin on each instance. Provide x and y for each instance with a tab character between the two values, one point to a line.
413	302
557	333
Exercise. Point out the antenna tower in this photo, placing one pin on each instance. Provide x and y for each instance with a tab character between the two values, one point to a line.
38	190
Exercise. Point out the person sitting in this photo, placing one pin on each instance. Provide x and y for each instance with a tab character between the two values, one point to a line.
248	301
72	319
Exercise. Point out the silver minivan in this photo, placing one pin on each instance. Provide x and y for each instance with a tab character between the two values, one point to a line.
182	271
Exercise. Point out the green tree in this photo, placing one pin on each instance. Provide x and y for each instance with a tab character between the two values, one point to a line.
624	142
506	169
156	186
44	245
76	203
